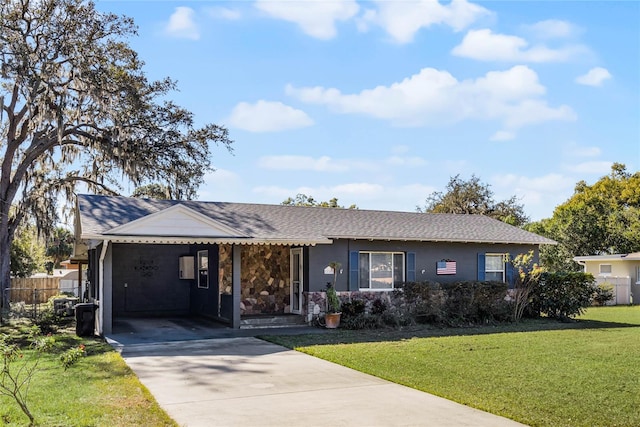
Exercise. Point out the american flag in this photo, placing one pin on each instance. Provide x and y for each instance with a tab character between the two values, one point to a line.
446	267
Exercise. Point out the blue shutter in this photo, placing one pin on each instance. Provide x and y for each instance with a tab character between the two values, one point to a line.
411	266
481	266
510	272
354	271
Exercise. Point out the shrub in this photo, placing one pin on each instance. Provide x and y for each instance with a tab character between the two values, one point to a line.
333	301
564	295
353	308
378	306
457	303
476	303
72	355
603	293
424	301
47	320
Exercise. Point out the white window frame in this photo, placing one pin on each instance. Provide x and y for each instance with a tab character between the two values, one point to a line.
486	265
203	269
393	283
605	273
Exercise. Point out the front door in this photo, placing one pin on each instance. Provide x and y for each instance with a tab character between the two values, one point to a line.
297	284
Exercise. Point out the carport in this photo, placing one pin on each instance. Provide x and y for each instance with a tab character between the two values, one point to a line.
175	262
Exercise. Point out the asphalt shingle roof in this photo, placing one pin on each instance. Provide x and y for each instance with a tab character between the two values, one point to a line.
98	214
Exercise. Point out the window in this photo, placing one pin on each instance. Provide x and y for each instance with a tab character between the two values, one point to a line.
605	269
381	270
203	269
494	267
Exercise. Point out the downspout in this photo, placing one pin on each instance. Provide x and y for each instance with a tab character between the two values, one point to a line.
103	254
584	265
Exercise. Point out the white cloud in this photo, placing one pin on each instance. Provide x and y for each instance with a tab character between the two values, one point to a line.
329	164
434	97
403	19
182	24
267	116
553	29
362	194
290	162
595	77
595	168
535	193
574	150
502	135
223	13
316	18
484	45
220	185
413	161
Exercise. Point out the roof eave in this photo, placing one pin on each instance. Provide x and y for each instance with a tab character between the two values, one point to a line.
114	238
438	240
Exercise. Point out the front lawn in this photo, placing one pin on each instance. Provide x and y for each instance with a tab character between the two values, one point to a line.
541	373
98	390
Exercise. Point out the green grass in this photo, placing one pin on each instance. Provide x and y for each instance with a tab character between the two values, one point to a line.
541	373
99	390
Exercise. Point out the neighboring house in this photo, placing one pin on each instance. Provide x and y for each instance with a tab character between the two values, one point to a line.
621	271
232	261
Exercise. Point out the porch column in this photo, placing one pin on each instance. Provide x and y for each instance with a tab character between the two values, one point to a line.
235	283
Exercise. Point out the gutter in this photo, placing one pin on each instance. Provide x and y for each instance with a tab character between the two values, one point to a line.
103	254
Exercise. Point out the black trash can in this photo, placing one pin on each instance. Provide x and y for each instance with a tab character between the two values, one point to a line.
85	319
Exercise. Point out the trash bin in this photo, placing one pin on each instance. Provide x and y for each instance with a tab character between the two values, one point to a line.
85	319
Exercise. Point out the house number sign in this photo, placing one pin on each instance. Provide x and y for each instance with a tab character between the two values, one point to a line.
146	267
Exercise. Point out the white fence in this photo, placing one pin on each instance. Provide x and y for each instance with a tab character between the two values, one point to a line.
621	288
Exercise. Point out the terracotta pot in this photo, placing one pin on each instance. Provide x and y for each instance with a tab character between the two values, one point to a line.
332	320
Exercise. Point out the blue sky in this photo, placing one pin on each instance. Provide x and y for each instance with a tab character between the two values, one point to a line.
379	103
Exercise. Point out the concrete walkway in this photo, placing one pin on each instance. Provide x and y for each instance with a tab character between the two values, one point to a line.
249	382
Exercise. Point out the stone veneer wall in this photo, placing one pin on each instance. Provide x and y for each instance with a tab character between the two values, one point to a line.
264	278
315	303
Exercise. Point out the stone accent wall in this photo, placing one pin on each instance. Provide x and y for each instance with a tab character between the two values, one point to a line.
225	269
264	278
315	303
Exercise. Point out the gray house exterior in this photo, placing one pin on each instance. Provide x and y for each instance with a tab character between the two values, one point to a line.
232	261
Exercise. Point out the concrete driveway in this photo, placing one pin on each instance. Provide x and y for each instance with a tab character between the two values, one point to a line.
249	382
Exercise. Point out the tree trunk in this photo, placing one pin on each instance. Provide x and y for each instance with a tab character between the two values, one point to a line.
5	263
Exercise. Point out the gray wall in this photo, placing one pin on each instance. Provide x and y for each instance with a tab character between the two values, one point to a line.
145	280
205	302
427	255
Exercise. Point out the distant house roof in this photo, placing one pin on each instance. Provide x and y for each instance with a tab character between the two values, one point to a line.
147	220
634	256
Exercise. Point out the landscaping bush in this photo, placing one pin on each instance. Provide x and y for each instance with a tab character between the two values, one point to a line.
352	308
424	301
564	295
476	303
457	304
603	294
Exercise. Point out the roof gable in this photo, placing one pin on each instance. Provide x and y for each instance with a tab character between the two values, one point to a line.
176	221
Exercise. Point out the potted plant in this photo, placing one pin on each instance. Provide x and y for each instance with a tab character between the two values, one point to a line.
332	315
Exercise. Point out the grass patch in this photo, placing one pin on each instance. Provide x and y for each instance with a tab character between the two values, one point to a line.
541	372
98	390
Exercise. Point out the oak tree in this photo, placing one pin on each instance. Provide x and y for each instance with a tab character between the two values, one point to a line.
76	107
304	200
474	197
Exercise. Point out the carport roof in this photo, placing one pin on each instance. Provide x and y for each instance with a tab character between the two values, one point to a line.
106	218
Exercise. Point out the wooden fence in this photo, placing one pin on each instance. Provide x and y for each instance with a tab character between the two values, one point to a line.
33	290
